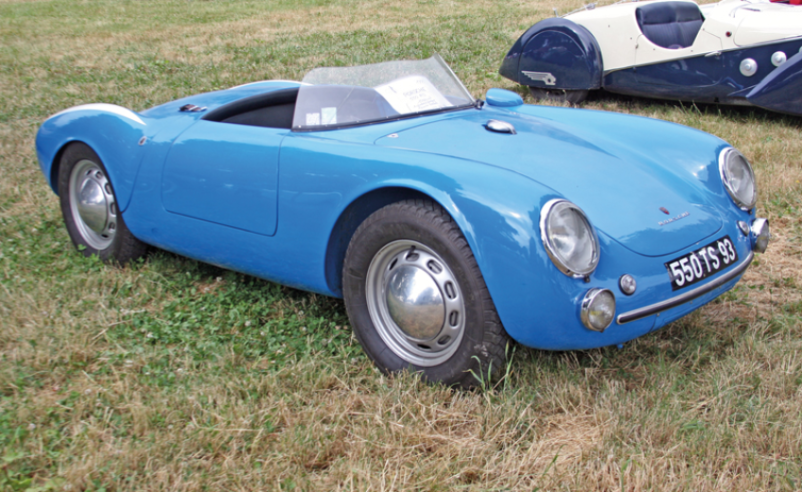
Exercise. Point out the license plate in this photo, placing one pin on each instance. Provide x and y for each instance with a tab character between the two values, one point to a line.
702	263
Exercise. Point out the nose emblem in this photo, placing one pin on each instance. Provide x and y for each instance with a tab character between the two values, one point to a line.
664	210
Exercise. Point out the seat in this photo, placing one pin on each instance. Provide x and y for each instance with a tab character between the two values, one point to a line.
671	25
271	110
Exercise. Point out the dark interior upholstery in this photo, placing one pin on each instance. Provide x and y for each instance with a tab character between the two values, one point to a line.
273	110
672	25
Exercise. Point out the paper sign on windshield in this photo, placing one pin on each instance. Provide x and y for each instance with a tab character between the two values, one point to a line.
412	94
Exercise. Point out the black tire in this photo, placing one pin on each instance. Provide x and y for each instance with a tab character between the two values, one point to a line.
572	97
99	229
402	241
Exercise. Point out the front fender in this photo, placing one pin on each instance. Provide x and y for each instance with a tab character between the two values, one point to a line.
113	132
498	212
499	215
555	54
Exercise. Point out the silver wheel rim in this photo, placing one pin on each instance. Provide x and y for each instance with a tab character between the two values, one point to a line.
92	203
415	303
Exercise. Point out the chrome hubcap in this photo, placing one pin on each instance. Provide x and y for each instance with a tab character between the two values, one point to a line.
415	303
92	203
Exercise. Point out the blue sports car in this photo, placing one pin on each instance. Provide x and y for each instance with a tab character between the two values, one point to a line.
448	224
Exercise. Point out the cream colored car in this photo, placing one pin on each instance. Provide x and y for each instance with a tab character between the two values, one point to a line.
734	52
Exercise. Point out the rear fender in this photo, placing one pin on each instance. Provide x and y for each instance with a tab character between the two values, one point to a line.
113	132
781	90
555	54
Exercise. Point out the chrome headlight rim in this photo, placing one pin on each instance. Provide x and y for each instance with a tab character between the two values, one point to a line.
724	156
552	251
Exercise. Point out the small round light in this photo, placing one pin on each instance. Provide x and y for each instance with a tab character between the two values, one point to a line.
744	227
627	284
569	239
760	235
598	309
738	178
748	67
778	58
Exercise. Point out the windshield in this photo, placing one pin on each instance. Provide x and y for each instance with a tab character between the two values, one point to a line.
348	96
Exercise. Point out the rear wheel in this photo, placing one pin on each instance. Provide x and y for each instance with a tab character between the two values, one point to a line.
416	298
90	209
572	97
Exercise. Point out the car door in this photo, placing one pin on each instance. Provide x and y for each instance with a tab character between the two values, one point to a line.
226	174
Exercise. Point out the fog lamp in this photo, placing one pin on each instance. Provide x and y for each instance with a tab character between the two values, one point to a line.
598	309
760	235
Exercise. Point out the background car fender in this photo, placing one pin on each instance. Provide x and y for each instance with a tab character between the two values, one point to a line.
113	132
781	90
555	53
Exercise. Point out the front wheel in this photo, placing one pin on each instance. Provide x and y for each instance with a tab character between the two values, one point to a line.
572	97
90	208
416	298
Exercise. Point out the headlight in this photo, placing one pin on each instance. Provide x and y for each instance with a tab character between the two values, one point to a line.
570	240
738	178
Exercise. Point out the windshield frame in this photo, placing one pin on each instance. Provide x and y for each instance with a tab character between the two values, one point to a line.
457	85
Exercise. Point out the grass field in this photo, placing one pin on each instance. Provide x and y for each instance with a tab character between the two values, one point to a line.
175	375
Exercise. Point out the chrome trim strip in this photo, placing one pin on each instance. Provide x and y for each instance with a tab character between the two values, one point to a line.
643	312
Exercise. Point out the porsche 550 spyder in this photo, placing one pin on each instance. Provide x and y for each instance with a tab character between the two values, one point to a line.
447	223
733	52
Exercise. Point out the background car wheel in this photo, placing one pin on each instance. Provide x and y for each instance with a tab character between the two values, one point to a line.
90	210
416	298
559	95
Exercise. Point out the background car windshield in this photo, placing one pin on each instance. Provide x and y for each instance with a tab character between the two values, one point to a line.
347	96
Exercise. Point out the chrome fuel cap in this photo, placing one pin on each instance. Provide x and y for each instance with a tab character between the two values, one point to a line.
498	126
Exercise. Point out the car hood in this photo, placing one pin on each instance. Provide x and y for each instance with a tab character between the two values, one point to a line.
756	23
624	184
